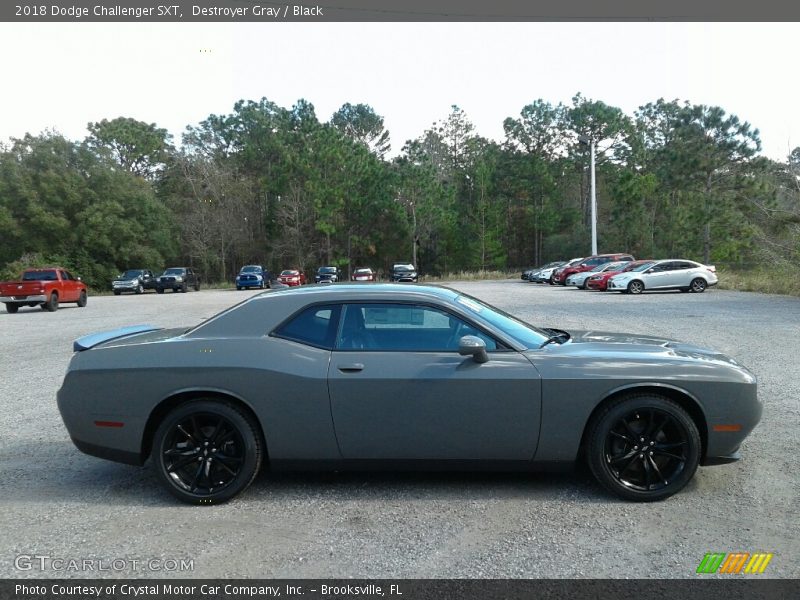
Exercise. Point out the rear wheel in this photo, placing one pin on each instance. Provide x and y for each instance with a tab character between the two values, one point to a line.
52	303
207	451
698	285
159	290
11	307
643	447
117	292
197	286
82	299
635	287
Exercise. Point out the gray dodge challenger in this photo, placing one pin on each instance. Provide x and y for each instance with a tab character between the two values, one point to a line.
403	377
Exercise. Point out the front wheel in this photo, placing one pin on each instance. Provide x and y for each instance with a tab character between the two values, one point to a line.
197	286
698	285
159	290
140	289
635	287
82	299
643	447
11	307
207	451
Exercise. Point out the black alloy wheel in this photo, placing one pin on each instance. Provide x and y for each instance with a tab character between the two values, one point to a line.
698	285
635	287
207	451
643	447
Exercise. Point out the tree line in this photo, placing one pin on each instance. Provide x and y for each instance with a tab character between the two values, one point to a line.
276	186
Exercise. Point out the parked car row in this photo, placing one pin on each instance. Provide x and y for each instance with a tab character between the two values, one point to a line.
621	273
177	279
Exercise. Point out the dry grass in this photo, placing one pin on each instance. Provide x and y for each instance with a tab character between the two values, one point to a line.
472	276
773	280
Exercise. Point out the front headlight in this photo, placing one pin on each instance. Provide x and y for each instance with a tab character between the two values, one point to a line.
179	279
158	279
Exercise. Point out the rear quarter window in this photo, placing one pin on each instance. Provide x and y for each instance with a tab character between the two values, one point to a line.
314	326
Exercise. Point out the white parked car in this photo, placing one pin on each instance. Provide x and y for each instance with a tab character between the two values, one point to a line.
579	279
669	274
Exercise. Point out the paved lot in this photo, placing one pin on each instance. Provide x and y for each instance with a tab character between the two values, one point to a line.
60	503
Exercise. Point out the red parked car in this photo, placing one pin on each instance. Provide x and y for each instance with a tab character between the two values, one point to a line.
292	277
589	263
44	287
364	274
600	280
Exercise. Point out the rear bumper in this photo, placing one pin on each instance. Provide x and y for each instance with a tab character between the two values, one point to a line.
23	299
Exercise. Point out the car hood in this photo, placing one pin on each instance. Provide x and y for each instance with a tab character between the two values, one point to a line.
597	343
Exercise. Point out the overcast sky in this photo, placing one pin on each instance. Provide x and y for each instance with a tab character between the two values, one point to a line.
63	76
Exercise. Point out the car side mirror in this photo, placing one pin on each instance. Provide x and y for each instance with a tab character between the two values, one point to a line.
472	345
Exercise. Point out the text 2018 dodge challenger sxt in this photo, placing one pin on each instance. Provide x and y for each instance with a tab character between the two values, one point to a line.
397	376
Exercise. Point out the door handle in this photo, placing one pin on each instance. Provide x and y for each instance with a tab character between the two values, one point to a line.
352	368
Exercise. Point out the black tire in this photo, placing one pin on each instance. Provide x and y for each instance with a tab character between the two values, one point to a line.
82	299
140	289
11	307
238	288
698	285
197	286
183	439
52	303
635	287
117	292
159	290
620	431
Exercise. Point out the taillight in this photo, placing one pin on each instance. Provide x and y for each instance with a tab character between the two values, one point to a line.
711	268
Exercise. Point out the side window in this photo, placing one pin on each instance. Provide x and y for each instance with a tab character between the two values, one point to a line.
65	276
403	327
315	326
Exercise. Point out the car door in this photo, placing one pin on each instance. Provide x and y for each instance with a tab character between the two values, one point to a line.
69	287
400	390
656	277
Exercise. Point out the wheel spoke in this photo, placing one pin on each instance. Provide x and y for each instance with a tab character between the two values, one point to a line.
622	457
217	430
656	469
196	429
186	433
181	463
658	429
196	479
630	431
622	437
668	454
221	463
648	474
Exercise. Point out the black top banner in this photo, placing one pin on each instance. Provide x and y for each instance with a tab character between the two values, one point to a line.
259	11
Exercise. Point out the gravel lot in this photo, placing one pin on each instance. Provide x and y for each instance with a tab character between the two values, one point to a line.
61	503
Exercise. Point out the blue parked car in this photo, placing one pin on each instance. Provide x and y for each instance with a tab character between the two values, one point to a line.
252	276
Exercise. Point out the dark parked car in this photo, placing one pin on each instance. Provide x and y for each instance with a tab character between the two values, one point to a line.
327	275
253	276
134	280
178	279
376	376
404	272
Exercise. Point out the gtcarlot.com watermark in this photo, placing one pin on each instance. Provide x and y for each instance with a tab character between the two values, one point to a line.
44	562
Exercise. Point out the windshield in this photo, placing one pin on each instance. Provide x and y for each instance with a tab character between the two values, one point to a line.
39	276
330	270
363	271
288	272
173	272
132	274
251	269
404	267
643	267
524	333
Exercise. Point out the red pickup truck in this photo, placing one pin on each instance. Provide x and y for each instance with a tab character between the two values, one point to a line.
45	287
